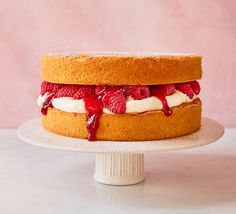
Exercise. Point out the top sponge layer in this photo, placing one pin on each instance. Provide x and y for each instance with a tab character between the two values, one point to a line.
120	68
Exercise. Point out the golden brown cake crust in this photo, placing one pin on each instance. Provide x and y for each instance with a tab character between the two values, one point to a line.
153	125
120	69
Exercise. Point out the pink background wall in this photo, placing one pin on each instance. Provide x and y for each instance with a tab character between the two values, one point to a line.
28	28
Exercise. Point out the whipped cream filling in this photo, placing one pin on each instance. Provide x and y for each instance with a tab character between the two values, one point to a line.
68	104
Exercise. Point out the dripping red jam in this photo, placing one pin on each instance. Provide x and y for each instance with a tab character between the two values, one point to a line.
113	98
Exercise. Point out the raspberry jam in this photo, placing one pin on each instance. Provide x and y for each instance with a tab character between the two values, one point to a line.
94	108
161	94
166	109
47	103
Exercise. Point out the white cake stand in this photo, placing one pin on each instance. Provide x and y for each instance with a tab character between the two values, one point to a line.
119	163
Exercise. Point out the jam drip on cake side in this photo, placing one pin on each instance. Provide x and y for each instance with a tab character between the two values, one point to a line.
112	97
161	91
166	109
94	108
47	103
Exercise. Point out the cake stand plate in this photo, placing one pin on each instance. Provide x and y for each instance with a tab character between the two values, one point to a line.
119	162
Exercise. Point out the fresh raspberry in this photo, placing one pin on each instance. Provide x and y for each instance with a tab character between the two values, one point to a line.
108	93
166	90
185	88
46	87
105	98
84	91
127	89
49	87
104	92
113	89
195	86
67	91
117	103
140	92
100	89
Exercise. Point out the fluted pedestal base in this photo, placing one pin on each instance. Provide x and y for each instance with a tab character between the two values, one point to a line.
119	169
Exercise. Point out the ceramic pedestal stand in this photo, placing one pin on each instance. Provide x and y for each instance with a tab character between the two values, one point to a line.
119	163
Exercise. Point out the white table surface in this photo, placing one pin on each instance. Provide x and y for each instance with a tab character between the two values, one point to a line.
36	180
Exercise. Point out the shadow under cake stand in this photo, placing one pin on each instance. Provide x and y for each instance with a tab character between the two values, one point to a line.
119	163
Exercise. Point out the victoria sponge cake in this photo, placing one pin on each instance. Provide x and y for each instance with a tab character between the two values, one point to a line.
120	96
